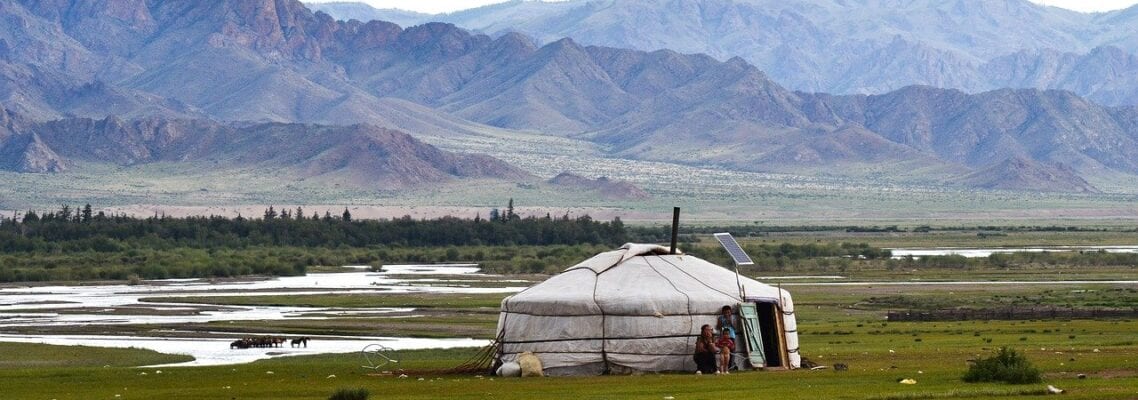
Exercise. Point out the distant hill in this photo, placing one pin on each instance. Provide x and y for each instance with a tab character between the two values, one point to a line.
140	81
845	47
348	10
362	155
1023	174
607	188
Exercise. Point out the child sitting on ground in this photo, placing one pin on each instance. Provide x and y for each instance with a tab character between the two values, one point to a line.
726	346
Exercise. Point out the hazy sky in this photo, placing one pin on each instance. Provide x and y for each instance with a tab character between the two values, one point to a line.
438	6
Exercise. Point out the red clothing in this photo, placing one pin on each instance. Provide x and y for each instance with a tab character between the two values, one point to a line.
725	341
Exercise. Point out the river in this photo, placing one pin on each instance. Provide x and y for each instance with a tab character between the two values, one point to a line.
984	252
48	306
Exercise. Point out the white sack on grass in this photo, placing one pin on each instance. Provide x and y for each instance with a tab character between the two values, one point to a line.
510	369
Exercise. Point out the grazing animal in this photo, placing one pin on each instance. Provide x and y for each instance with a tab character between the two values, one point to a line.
300	341
258	342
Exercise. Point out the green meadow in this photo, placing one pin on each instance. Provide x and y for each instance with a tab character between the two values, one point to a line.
1089	359
839	321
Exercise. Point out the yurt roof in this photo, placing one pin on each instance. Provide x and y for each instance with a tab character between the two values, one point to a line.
622	280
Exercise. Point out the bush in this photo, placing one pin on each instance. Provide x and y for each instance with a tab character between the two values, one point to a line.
1006	366
350	394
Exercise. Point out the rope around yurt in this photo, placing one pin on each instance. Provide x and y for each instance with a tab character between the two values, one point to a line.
482	362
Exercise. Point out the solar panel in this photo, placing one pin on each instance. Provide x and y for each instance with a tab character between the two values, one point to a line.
733	248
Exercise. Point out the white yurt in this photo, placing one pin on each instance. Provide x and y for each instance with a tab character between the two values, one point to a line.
640	308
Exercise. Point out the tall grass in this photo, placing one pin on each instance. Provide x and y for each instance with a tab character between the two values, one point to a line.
1007	365
350	394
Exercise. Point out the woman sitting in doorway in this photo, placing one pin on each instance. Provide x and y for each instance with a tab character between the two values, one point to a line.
705	351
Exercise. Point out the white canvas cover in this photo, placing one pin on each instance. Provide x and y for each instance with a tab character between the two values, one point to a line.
633	309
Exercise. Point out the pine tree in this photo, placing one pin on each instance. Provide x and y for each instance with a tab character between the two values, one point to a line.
347	217
86	218
270	213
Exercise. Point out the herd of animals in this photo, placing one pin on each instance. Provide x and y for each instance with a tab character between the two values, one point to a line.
267	341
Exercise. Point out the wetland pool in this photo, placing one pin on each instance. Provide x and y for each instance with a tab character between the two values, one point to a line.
45	307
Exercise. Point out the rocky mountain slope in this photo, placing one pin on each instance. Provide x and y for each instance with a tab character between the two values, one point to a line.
607	188
361	155
841	46
298	75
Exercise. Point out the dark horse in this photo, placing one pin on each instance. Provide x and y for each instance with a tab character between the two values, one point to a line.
302	341
239	344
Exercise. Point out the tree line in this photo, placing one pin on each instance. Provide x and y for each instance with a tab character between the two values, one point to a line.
65	230
77	244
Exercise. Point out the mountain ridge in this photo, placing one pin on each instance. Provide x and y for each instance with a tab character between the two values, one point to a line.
275	62
359	154
837	46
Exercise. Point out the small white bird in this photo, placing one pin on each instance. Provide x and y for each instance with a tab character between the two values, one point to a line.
1054	390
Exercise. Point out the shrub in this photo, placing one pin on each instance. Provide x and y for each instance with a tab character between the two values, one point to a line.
1006	366
350	394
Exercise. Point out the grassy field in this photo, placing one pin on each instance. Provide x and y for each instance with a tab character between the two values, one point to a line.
444	301
707	193
841	324
1090	359
878	353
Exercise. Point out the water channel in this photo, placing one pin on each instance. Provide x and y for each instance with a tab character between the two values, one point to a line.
49	306
984	252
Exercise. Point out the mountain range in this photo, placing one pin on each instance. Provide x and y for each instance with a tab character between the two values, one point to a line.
841	46
360	155
271	84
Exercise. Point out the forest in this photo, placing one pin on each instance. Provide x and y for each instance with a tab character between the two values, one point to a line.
80	244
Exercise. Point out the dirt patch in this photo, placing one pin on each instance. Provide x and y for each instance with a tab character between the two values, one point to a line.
1105	374
1115	373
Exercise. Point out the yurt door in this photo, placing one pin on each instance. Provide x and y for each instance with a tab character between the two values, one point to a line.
751	331
770	324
